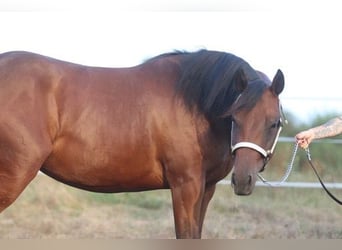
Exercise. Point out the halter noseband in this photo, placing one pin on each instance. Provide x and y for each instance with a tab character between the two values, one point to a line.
265	153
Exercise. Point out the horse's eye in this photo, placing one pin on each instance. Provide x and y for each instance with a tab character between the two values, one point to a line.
276	124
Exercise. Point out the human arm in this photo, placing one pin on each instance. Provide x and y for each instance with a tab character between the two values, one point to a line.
331	128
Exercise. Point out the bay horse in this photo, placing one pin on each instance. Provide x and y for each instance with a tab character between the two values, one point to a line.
178	121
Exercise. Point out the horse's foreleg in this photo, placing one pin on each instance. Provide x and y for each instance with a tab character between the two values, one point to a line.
208	194
187	199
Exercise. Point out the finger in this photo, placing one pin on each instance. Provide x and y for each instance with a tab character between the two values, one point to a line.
305	144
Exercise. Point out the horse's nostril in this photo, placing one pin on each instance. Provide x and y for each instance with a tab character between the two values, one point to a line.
249	180
233	179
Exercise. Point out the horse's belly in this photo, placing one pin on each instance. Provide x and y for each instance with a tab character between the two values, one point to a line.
95	172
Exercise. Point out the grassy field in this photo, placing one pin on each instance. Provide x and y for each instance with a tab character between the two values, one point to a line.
48	209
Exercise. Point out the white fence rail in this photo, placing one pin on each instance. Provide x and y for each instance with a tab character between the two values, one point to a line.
291	184
292	139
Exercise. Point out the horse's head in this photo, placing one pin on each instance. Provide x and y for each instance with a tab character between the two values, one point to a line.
256	124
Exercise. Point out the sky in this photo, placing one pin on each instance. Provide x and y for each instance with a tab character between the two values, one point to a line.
302	38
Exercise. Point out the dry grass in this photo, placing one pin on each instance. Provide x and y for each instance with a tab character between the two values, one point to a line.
48	209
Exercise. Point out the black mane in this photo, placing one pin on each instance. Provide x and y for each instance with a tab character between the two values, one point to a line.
207	82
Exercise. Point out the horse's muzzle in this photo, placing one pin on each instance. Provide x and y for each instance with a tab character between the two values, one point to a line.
243	186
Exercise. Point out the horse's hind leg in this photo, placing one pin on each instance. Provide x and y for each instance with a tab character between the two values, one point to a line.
11	185
17	169
14	181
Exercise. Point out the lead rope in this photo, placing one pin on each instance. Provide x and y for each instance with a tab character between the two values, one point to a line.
289	169
287	173
308	155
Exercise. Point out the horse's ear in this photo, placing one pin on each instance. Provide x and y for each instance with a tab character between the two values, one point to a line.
240	80
278	83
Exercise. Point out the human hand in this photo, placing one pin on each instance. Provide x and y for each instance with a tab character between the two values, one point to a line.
304	138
